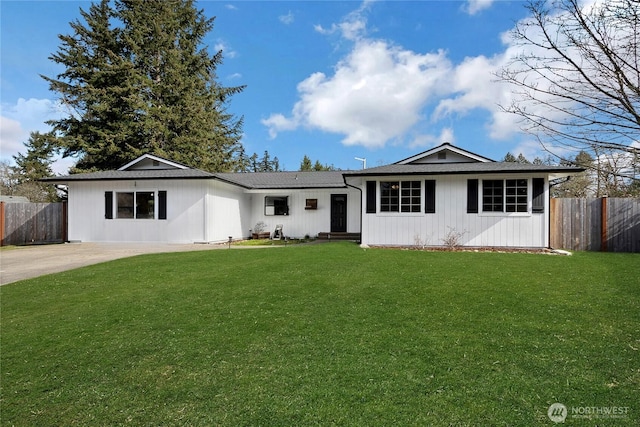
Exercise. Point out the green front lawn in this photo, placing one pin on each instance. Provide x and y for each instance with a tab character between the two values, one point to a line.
326	334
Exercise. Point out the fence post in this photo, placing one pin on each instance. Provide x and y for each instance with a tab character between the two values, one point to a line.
1	223
65	222
603	224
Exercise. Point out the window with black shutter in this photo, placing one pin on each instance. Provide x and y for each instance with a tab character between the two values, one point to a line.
537	185
371	197
108	204
430	196
162	205
472	196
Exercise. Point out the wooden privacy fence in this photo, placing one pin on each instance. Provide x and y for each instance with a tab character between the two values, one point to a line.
590	224
32	223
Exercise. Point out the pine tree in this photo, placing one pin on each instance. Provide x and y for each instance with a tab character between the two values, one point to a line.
522	159
509	158
243	163
34	165
253	163
265	163
136	81
305	164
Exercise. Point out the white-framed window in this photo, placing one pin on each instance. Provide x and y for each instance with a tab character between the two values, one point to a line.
400	196
276	205
135	204
509	195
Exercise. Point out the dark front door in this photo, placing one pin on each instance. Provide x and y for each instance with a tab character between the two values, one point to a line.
338	213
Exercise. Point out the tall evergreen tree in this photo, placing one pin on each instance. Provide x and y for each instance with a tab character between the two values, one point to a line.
137	80
305	164
265	162
33	165
522	159
509	158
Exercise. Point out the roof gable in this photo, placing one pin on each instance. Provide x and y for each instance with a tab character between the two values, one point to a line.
151	162
445	153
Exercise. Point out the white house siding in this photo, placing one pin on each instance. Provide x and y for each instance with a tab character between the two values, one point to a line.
228	212
185	212
481	229
300	221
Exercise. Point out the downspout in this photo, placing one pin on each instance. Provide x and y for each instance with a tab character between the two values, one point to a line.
360	190
549	213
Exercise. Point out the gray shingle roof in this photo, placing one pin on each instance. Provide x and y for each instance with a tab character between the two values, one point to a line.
301	180
257	180
461	168
273	180
132	174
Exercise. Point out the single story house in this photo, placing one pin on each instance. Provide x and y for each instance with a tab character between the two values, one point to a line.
431	199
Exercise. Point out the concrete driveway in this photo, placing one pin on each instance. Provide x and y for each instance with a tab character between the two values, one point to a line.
25	262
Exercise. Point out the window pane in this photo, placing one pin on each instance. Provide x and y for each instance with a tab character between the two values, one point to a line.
276	205
492	196
413	189
124	205
389	196
517	188
144	205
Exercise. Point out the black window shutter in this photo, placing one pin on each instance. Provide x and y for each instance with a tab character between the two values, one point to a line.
472	196
108	204
430	196
371	196
537	204
162	205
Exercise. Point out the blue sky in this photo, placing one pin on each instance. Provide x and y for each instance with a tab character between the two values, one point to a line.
334	80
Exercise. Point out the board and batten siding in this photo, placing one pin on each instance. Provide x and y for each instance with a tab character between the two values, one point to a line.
482	229
197	211
228	213
300	221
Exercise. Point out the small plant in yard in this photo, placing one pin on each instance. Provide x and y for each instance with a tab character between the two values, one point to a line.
259	227
419	242
453	239
259	231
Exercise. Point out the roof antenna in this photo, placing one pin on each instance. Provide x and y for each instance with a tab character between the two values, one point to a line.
364	162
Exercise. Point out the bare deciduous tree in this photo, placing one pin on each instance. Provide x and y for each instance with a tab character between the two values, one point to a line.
577	77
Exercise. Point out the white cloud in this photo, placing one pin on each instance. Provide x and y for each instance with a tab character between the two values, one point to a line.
230	7
11	137
352	27
221	45
278	122
475	86
446	135
287	19
380	92
474	6
375	94
20	119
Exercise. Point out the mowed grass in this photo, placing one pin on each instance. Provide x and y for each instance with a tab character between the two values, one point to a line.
327	334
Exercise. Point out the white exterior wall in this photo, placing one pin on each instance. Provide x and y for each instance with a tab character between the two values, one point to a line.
522	230
301	222
228	212
189	203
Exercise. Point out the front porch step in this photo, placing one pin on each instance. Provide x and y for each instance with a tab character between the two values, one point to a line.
326	235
